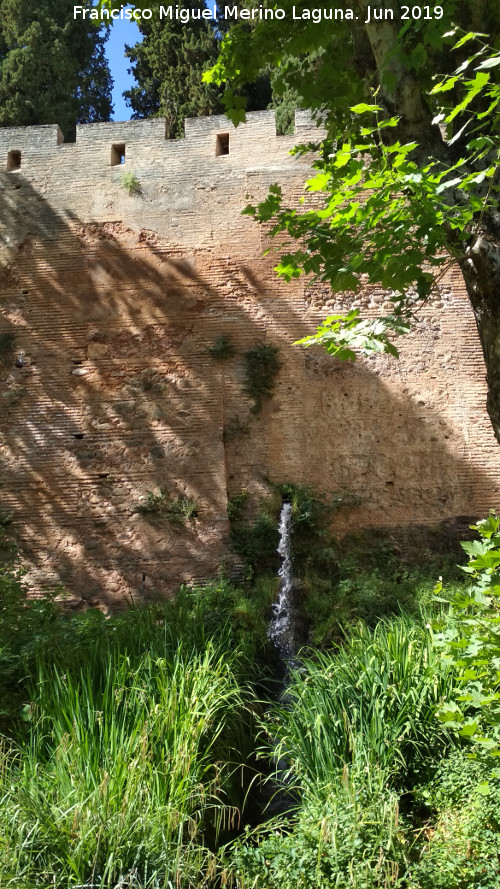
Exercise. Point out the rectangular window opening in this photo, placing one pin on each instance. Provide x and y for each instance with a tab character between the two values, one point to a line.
118	154
13	161
222	144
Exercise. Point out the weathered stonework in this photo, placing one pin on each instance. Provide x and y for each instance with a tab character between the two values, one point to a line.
114	300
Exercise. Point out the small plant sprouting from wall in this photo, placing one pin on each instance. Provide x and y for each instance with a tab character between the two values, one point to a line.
262	365
7	343
177	510
222	348
235	426
130	183
235	505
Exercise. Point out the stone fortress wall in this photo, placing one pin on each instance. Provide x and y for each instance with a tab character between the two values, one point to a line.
113	300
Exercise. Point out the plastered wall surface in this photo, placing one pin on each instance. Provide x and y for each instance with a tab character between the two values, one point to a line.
113	301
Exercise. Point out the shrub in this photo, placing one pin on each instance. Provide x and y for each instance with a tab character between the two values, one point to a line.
125	774
332	605
378	692
235	505
130	183
355	726
177	510
312	515
24	624
257	543
262	365
236	614
349	834
222	348
462	838
469	640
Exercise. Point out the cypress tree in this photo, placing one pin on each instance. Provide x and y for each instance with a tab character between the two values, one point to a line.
52	66
168	65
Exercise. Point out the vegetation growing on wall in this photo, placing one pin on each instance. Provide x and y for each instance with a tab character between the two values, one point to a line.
7	343
234	427
261	366
222	349
235	505
176	510
130	183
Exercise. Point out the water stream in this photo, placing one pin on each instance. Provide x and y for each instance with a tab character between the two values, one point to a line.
280	630
276	796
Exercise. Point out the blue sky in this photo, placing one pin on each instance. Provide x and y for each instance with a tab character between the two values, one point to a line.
121	33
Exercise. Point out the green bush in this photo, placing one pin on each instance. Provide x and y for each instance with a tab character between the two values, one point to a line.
32	629
331	606
24	624
377	693
237	614
261	366
235	505
313	548
462	837
257	544
176	510
469	640
356	728
350	835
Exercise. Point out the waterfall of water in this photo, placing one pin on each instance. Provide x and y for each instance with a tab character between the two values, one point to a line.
281	624
281	632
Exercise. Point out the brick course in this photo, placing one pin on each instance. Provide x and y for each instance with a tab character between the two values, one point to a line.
114	300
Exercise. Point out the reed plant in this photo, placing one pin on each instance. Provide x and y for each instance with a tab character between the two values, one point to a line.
354	731
377	693
127	773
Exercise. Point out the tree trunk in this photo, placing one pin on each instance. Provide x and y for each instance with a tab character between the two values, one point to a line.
400	89
481	271
481	268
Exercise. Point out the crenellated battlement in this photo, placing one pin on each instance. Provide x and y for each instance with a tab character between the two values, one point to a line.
125	142
191	191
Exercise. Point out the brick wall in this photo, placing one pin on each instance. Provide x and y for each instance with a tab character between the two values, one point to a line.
114	300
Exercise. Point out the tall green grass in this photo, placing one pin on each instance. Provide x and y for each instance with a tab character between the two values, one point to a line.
376	694
357	728
127	775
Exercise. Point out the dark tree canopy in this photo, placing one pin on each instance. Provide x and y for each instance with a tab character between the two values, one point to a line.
408	177
52	67
168	65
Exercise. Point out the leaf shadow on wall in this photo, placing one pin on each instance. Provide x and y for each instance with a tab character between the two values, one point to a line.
118	396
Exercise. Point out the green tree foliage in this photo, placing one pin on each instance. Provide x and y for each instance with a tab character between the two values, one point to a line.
52	67
168	65
169	62
407	176
470	641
